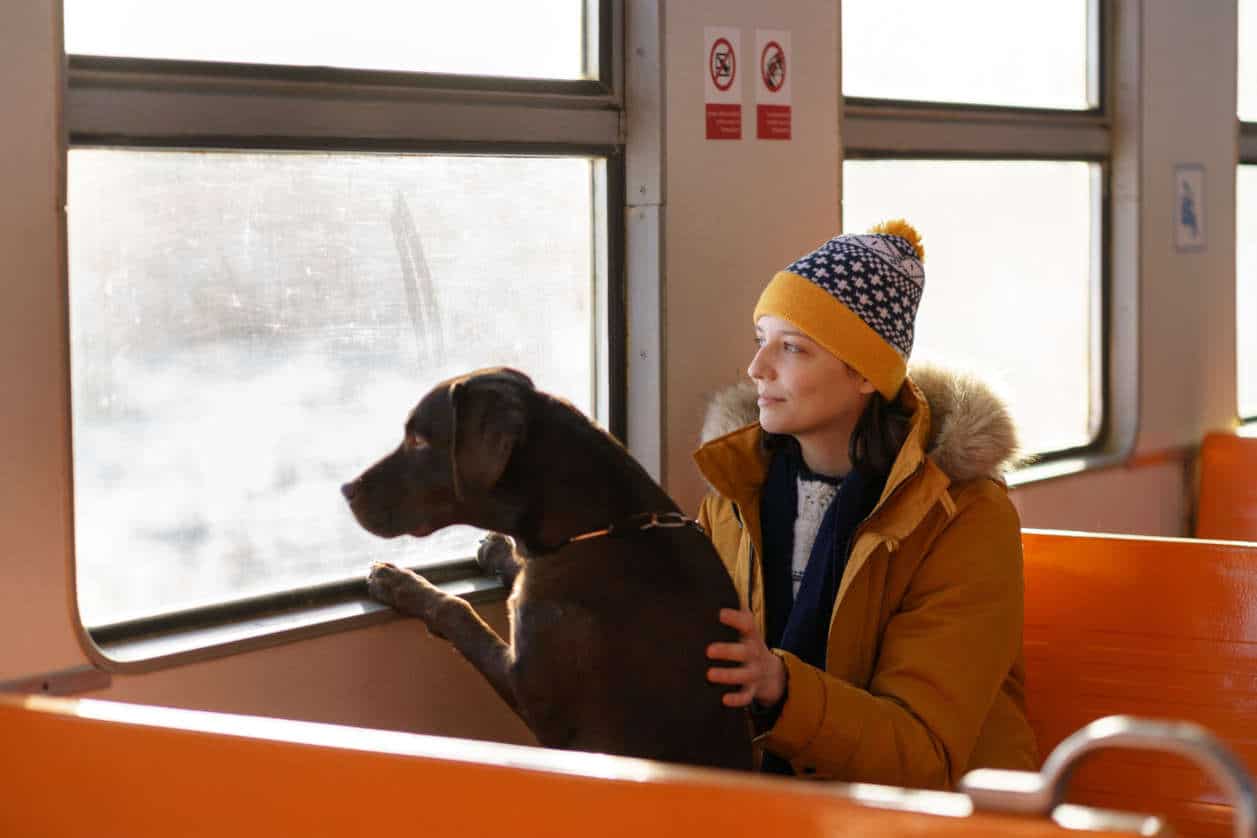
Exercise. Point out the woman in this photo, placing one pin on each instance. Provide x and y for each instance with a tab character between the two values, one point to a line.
866	525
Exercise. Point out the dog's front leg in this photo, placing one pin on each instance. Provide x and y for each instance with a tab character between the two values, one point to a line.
448	617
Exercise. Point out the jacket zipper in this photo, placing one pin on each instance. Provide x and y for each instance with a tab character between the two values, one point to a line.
750	565
859	530
750	573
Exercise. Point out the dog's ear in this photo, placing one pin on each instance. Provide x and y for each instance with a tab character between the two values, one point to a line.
489	414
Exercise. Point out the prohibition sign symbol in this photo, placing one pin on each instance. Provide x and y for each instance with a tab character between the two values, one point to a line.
772	66
722	63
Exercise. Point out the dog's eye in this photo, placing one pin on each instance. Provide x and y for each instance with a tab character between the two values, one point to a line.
414	440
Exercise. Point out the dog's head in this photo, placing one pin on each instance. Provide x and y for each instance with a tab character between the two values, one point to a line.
457	443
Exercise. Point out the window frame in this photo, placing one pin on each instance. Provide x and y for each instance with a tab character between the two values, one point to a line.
875	129
135	103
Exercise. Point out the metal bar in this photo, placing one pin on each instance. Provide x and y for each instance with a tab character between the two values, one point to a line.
644	232
645	96
72	681
1030	793
968	133
146	651
280	602
243	116
108	71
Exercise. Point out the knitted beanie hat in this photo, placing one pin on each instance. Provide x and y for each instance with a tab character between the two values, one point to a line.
857	296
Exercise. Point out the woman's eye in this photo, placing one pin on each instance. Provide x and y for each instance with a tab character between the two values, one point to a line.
759	341
793	347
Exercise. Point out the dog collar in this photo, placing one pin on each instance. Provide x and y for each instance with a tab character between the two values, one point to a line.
637	523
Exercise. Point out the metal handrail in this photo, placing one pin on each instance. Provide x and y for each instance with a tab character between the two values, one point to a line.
1039	793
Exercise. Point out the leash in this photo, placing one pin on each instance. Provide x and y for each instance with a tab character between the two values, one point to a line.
637	523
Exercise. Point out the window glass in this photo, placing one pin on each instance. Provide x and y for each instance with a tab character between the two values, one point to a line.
1246	288
1247	84
1012	281
982	52
537	39
249	330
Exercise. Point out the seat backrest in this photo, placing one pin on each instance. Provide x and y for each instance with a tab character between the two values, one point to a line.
94	767
1226	504
1154	627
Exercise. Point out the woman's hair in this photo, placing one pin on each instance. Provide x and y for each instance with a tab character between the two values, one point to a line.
878	435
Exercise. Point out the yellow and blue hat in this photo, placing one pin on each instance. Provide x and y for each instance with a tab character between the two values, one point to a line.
857	296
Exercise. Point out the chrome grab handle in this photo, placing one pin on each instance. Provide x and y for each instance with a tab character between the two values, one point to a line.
1031	793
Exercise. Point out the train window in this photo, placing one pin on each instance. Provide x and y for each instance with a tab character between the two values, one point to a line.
979	272
1246	215
248	330
1246	289
1030	55
273	252
431	36
998	150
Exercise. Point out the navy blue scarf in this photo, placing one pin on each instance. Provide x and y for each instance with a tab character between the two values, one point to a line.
800	624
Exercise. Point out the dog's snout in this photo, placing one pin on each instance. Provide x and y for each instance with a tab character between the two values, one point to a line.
349	489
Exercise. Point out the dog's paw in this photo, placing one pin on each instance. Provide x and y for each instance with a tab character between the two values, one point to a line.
403	590
496	555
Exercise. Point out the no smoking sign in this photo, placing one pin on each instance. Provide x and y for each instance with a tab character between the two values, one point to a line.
722	82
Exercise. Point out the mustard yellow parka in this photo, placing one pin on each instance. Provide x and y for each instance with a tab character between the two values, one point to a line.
924	676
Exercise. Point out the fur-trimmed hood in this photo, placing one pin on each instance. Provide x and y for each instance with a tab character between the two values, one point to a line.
971	432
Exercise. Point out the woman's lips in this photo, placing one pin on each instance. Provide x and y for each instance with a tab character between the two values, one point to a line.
768	401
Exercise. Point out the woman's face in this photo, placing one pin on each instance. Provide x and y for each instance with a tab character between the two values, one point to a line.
803	389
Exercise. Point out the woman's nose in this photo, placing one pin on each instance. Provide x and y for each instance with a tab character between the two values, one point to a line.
758	369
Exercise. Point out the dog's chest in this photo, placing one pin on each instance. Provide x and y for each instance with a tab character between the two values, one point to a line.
541	595
561	605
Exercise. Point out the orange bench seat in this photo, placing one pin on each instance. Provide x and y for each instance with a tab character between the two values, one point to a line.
90	767
1226	505
1153	627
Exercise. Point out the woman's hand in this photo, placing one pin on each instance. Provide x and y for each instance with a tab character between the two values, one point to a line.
761	676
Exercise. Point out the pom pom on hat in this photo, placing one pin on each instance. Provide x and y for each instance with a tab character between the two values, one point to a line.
904	230
857	296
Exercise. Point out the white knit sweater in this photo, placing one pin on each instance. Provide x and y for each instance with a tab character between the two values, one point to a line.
814	498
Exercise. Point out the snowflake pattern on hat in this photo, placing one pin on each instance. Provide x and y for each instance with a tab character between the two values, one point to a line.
877	276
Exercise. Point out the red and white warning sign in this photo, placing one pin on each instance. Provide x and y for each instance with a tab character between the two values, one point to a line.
722	82
772	85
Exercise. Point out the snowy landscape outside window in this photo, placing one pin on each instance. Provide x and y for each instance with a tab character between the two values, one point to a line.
249	331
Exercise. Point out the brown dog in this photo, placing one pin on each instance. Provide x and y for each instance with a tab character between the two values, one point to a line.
609	629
